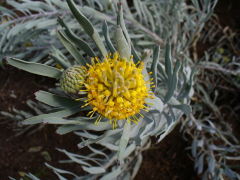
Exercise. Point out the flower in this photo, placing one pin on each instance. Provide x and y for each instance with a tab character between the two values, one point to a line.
115	88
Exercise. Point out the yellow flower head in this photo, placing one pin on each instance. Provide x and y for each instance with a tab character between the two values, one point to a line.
116	88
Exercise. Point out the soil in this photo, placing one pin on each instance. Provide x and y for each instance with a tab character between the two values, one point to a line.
168	160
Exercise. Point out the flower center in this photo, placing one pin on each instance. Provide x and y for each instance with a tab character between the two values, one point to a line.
116	88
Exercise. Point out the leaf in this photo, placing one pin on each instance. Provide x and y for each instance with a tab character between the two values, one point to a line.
84	126
46	155
56	100
35	68
122	24
71	48
135	55
60	170
168	62
98	152
35	149
104	136
156	103
200	163
137	166
79	42
123	141
211	164
107	38
194	147
183	107
94	170
122	45
173	81
111	175
21	173
63	113
87	26
60	62
82	20
156	53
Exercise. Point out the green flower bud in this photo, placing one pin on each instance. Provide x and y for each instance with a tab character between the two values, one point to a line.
71	81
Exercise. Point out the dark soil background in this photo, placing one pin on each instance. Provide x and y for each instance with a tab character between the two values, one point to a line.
168	160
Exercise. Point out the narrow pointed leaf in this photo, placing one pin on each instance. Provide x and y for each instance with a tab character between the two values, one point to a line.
122	24
63	64
63	113
173	83
156	53
107	38
124	141
71	48
35	68
56	100
76	40
94	170
87	26
122	45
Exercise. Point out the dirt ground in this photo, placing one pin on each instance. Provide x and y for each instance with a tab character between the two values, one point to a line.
168	160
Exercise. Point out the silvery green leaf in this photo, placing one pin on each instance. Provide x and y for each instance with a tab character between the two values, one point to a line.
71	48
173	81
127	176
106	134
79	156
32	176
188	86
156	103
60	170
98	152
137	166
122	45
59	176
135	130
77	160
200	163
135	55
129	150
168	118
146	43
107	38
82	20
63	64
35	68
94	170
124	141
84	126
147	131
76	40
111	175
110	146
58	120
63	113
56	100
122	24
156	53
87	26
183	107
194	147
233	158
211	163
46	24
168	62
